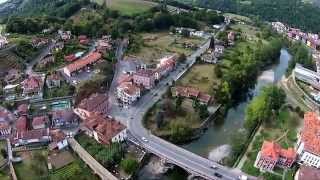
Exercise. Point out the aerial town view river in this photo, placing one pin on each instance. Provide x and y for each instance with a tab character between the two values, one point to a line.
213	143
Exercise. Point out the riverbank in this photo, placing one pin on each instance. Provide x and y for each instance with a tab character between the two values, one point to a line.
219	134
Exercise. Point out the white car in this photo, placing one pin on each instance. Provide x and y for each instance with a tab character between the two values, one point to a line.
144	139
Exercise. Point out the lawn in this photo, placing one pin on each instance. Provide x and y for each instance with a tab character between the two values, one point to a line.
34	165
5	174
130	7
282	131
201	76
157	45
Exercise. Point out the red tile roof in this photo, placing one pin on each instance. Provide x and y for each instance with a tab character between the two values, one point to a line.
38	121
23	109
206	98
57	135
310	133
82	37
308	173
32	83
83	62
187	91
21	124
95	103
70	57
66	115
33	134
105	127
273	151
144	72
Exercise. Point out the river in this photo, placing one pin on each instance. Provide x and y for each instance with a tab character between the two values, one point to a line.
214	142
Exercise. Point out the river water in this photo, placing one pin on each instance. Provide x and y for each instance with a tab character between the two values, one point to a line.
213	143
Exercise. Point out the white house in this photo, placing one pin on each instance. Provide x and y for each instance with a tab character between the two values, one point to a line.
128	93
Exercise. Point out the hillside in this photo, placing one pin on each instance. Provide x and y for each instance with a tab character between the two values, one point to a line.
297	13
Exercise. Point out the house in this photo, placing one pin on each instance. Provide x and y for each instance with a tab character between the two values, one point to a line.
307	76
104	130
89	59
197	33
12	76
10	91
145	78
307	173
104	44
64	119
166	65
21	138
272	155
22	110
64	35
58	140
218	50
94	103
32	86
209	57
6	118
21	124
3	41
39	42
53	80
70	58
308	145
39	122
46	61
128	93
191	92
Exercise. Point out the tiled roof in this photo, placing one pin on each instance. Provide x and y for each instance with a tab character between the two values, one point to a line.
95	103
187	91
54	76
204	97
32	83
129	88
83	62
144	72
23	108
273	151
33	134
40	120
105	127
308	173
57	135
124	78
4	115
21	124
310	133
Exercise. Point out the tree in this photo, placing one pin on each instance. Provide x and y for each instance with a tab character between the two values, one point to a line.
180	132
129	165
182	58
178	103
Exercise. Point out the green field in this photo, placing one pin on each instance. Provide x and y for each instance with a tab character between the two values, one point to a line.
201	76
130	7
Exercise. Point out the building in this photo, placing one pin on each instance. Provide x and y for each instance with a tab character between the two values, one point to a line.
64	35
3	41
94	103
89	59
307	76
272	155
39	122
83	39
166	65
21	124
308	145
53	80
128	93
218	50
145	78
307	173
32	86
279	27
39	42
104	130
12	76
64	119
104	44
209	57
21	138
22	110
197	34
231	37
5	119
191	92
58	140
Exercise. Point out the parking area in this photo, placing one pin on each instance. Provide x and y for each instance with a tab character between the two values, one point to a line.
82	75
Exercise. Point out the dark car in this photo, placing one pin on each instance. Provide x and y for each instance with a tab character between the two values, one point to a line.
218	175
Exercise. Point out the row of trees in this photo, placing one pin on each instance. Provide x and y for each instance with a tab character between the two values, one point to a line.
240	66
300	54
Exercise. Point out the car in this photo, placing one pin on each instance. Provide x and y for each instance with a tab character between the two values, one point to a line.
144	139
214	167
218	175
